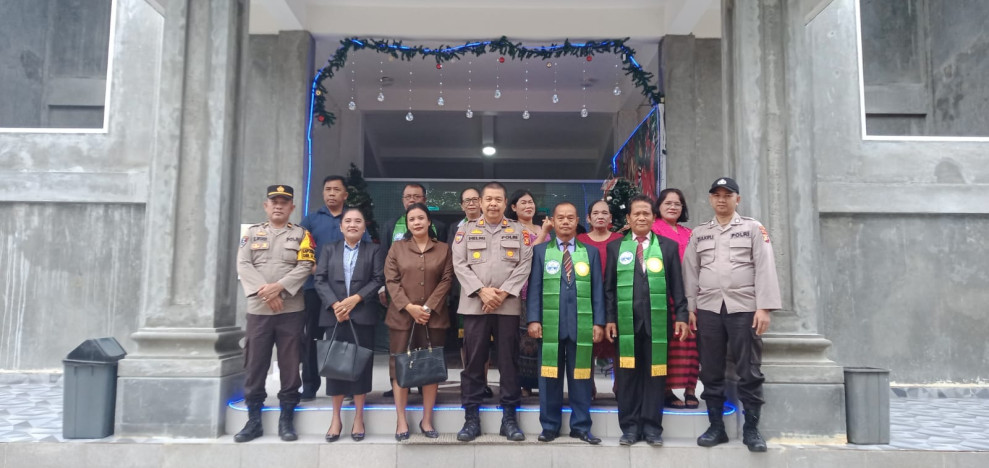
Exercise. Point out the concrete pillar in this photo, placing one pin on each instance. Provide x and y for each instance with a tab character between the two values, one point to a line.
276	113
188	363
766	135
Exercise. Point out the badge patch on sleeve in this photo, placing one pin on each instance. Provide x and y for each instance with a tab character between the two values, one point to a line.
525	237
765	235
243	241
307	249
460	237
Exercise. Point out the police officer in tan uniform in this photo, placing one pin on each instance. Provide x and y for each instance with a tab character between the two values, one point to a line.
491	258
730	279
273	262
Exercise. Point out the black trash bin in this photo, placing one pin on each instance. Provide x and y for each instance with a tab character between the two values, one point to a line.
90	391
867	405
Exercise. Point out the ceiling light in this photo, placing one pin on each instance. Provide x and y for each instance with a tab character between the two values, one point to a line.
488	150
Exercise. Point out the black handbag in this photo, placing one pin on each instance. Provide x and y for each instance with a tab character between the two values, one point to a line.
341	360
418	367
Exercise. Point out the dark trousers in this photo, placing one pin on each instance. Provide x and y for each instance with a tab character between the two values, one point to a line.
719	333
551	394
264	331
640	395
477	344
310	374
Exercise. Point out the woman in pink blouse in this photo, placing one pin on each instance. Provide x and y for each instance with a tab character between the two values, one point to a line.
683	360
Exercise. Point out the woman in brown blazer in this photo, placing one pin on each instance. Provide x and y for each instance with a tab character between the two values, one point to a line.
418	274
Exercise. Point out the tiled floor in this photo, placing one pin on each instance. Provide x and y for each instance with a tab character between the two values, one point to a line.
32	411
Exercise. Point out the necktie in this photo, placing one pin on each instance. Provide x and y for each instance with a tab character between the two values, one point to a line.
638	251
567	261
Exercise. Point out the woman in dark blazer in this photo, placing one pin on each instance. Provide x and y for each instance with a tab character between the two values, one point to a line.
418	273
348	276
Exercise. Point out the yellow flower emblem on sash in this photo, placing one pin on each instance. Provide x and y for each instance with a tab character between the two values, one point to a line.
654	265
582	269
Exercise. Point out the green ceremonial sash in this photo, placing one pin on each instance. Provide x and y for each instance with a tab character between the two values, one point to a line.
653	257
553	270
401	228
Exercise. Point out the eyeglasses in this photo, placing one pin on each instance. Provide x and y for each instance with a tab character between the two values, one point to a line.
412	197
471	201
673	204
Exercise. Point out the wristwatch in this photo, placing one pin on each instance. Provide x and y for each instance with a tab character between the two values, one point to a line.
426	308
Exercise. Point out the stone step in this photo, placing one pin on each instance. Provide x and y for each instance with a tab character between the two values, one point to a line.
313	418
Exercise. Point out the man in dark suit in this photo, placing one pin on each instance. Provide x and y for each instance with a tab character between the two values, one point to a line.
572	317
643	271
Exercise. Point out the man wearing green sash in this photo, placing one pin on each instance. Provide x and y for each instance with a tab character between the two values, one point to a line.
643	271
566	301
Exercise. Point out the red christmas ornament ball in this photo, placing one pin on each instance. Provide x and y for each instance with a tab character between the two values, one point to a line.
589	58
320	118
501	59
439	66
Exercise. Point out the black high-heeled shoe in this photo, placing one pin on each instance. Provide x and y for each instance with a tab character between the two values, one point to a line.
332	437
357	436
402	436
430	434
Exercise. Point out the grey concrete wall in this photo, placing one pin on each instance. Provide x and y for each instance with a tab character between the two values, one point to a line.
902	254
908	293
69	273
694	116
72	210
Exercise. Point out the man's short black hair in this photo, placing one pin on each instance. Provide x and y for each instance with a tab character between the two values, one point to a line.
495	185
332	177
553	213
462	192
643	198
415	184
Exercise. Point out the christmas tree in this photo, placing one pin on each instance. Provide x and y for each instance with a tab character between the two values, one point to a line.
618	197
358	197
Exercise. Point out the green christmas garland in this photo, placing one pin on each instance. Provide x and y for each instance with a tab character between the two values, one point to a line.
395	48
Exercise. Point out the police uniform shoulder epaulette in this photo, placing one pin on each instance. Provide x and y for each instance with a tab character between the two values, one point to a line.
259	225
747	218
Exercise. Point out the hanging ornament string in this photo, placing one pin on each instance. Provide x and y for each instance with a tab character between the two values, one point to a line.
497	93
352	105
556	96
618	89
381	80
395	49
470	113
525	93
440	102
409	116
583	88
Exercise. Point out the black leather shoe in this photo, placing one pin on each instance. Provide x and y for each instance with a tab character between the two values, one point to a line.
547	436
402	436
628	439
429	434
332	437
585	437
358	436
654	440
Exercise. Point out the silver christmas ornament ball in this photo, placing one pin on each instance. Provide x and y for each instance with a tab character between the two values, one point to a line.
409	117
